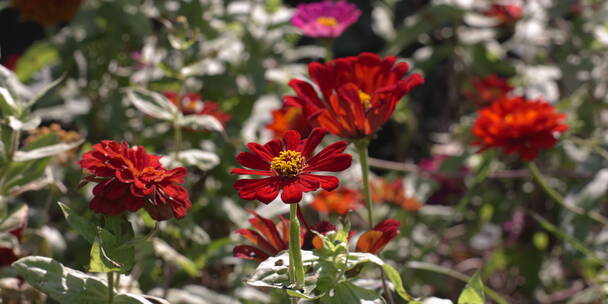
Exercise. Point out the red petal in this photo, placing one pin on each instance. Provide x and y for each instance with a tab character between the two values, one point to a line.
311	143
292	193
253	161
250	253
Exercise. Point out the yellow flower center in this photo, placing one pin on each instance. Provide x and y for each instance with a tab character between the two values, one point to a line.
288	163
365	99
327	21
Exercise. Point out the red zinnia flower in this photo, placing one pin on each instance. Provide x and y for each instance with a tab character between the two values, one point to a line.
192	104
271	238
518	125
339	201
129	178
359	94
48	12
288	118
373	241
488	89
289	165
393	192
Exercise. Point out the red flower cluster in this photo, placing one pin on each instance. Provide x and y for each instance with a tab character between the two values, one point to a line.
359	94
48	12
288	118
289	165
271	238
192	104
339	201
129	178
373	241
518	125
393	192
488	89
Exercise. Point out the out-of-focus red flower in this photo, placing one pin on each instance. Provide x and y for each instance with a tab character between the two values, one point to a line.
486	90
289	165
373	241
507	14
48	12
269	238
289	118
11	62
192	104
128	178
339	201
359	94
521	126
326	19
393	192
8	255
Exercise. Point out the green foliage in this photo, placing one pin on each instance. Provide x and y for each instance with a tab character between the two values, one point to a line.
473	293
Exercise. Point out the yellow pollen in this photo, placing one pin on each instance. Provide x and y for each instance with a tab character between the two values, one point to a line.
327	21
288	163
365	99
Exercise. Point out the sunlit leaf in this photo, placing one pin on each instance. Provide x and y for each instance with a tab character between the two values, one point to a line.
84	227
46	151
473	293
153	104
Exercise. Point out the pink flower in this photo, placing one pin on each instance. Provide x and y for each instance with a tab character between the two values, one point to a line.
326	19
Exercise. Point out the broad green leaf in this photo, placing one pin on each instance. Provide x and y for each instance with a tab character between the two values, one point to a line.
46	151
153	104
38	56
113	249
473	292
201	123
100	262
83	226
347	292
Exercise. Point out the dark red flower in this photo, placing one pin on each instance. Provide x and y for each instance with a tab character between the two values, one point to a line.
270	238
373	241
339	201
488	89
516	125
289	165
47	12
359	94
289	118
11	62
129	178
15	226
192	104
506	13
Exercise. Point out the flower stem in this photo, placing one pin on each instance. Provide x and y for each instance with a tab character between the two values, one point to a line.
295	251
362	151
178	139
110	287
328	44
556	197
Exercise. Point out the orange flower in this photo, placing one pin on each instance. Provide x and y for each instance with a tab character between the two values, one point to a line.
393	192
288	118
488	89
516	125
339	201
48	12
373	241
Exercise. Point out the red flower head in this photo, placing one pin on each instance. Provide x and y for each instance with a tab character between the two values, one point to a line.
339	201
271	238
191	104
48	12
289	165
506	13
488	89
518	125
288	118
359	94
373	241
129	178
393	192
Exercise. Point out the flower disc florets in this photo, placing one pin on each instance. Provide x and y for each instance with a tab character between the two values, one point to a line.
288	163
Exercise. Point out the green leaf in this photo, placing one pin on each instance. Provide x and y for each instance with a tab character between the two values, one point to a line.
16	220
46	151
153	104
113	249
35	58
83	226
46	90
473	293
393	275
100	262
347	292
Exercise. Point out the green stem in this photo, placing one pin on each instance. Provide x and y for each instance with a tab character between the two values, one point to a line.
110	287
295	251
362	151
178	139
328	45
556	197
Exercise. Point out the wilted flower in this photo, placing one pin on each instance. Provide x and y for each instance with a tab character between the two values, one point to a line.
373	241
506	13
288	118
488	89
192	104
514	124
359	94
393	192
339	201
129	178
270	238
326	19
289	165
48	12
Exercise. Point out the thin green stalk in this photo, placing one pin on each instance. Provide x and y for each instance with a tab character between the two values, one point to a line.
556	197
295	252
177	131
110	287
362	151
328	45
